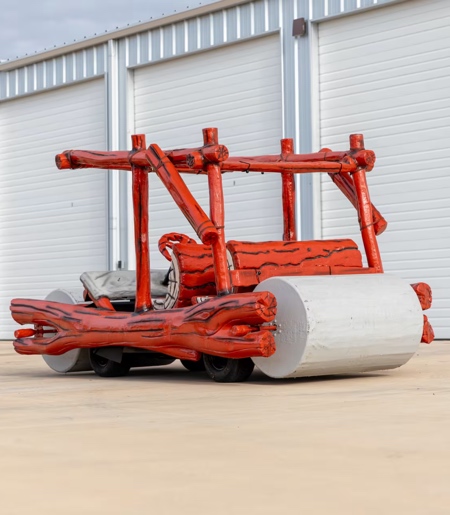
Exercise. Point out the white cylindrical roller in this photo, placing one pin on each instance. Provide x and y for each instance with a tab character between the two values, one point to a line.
75	360
341	324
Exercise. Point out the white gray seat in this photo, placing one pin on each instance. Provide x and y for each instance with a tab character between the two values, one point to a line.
121	284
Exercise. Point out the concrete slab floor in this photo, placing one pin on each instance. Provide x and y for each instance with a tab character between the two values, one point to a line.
168	441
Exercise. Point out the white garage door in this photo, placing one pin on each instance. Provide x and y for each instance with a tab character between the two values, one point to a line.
53	224
238	90
386	73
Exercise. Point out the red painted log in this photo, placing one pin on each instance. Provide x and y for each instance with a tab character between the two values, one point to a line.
292	167
428	333
183	333
246	280
424	294
180	193
322	155
196	158
366	221
253	262
249	255
288	194
185	158
103	303
363	157
196	272
217	215
365	209
345	183
141	237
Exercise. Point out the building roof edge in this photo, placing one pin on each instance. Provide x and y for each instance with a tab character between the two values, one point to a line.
130	30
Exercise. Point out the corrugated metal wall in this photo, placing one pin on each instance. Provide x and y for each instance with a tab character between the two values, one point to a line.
236	88
196	33
400	99
112	57
53	224
51	73
202	33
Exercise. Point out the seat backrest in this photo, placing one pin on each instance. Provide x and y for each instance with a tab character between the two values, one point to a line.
121	284
193	266
293	256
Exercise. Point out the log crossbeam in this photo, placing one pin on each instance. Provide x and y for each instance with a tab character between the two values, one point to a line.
347	170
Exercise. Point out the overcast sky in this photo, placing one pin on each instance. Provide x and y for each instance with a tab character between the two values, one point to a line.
27	26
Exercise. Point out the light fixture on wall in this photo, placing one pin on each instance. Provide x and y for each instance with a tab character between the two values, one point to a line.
299	27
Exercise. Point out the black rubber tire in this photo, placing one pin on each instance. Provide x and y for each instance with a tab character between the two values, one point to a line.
193	366
226	370
105	367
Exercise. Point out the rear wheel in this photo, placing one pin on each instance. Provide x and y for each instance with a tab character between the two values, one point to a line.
227	370
105	367
193	366
75	360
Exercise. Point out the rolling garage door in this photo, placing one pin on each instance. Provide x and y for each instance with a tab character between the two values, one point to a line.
53	224
386	73
238	90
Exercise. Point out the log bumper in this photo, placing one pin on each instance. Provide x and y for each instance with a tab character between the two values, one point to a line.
232	326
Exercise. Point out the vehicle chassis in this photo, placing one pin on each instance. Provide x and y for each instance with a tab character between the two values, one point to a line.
226	319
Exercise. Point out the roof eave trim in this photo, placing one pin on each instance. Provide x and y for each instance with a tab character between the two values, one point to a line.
119	33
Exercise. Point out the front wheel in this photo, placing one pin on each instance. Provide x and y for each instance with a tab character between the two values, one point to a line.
227	370
105	367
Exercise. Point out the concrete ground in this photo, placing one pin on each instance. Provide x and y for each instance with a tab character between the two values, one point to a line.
167	441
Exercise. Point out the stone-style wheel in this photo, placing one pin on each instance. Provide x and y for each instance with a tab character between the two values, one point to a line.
105	367
75	360
193	366
227	370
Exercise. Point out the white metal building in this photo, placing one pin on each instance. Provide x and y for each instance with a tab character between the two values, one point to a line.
377	67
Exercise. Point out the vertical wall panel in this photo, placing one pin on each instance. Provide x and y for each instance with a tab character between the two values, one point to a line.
400	100
53	224
236	88
205	32
180	38
192	34
167	39
246	22
233	21
218	27
133	50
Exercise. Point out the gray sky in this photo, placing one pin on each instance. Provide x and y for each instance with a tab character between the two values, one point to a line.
27	26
